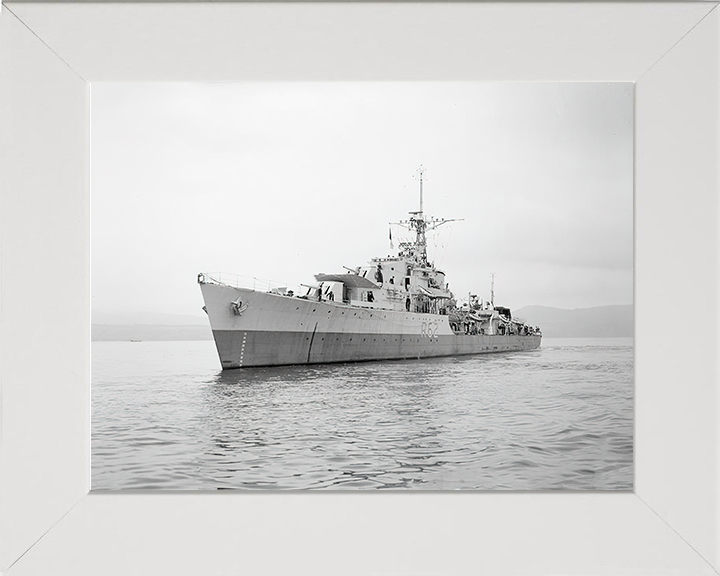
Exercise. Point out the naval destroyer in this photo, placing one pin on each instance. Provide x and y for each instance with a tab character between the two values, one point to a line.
392	308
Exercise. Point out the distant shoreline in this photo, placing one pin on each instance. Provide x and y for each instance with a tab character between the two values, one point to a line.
176	337
148	332
612	321
598	322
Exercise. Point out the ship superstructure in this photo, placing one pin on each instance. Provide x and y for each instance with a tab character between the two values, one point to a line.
391	308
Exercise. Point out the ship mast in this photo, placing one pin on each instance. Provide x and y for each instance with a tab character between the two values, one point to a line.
421	171
418	222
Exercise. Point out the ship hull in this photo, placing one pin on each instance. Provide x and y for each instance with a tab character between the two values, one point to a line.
261	329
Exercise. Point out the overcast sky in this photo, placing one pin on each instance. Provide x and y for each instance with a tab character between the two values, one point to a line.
281	181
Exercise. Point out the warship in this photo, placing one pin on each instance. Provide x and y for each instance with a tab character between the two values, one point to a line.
392	308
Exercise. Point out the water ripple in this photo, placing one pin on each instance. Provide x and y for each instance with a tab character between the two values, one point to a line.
557	418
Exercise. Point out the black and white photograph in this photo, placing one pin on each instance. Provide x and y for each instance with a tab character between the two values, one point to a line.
362	286
384	288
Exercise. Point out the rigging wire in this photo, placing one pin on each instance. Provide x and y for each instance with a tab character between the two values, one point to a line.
452	227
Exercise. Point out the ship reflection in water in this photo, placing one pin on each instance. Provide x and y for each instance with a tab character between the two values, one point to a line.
559	417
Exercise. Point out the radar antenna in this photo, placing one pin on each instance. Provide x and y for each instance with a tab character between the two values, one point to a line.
421	225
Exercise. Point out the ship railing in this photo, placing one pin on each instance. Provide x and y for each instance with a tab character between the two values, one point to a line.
251	283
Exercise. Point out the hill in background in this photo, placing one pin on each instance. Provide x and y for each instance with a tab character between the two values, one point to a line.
598	322
146	326
148	318
148	332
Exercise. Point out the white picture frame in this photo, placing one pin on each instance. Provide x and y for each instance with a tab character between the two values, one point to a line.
50	53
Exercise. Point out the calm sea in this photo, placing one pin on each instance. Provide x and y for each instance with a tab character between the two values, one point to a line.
165	416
